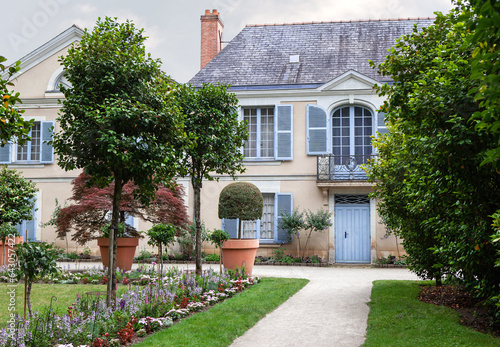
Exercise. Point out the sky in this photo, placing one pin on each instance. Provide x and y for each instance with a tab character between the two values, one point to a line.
173	27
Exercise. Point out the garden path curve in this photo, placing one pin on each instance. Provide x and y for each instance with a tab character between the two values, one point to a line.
331	310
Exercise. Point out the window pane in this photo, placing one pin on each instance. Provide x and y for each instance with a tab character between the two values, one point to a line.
267	221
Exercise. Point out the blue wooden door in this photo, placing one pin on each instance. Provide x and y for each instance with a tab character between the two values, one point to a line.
352	233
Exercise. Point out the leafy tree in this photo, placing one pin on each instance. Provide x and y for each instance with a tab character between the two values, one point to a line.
90	212
161	235
118	121
310	221
35	260
241	200
16	197
293	223
212	120
218	237
434	192
485	68
7	230
315	222
187	239
11	122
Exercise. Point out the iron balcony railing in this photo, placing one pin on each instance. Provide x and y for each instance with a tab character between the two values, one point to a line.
342	167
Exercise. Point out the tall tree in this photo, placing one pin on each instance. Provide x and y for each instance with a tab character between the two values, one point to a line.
117	121
212	119
434	192
12	123
89	212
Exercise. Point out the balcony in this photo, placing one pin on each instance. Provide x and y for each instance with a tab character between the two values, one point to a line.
342	168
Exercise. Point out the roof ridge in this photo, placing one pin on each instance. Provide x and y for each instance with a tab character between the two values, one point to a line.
342	21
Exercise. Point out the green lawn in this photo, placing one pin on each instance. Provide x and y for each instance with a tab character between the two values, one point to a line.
398	318
222	323
41	295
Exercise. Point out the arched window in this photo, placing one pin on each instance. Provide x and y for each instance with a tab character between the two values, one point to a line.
352	128
62	79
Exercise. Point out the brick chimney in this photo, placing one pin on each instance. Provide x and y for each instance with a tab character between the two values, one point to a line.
211	36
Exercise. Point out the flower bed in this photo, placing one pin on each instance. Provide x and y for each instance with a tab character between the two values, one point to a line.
139	311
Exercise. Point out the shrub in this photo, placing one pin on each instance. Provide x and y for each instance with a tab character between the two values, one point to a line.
241	200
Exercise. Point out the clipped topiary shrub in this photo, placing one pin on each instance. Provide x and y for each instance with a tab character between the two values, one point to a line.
240	200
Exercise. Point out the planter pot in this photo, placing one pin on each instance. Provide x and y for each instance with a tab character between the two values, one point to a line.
8	247
238	253
125	251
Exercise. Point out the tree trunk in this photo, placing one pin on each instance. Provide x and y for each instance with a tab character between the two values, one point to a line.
197	221
307	244
4	254
160	253
298	245
115	218
220	260
28	297
25	296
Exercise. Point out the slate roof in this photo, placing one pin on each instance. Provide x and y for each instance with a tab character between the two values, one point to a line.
260	54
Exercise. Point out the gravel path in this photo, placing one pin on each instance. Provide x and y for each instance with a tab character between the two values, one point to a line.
331	310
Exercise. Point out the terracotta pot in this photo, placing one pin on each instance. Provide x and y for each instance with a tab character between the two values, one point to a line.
238	253
125	251
17	240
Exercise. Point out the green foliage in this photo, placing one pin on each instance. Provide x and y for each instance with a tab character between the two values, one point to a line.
119	121
212	257
161	234
310	221
224	322
216	136
34	260
292	223
278	254
218	237
485	69
7	230
12	123
16	196
187	239
398	318
240	200
433	191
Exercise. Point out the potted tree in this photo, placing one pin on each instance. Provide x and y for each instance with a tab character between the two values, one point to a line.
159	235
218	237
126	243
241	201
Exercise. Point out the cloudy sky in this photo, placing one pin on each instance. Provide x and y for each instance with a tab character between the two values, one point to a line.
173	27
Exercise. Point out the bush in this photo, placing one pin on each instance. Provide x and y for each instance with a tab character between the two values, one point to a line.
212	257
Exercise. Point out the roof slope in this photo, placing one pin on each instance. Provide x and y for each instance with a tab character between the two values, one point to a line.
260	55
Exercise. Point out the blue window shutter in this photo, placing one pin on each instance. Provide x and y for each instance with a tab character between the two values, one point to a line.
27	228
5	157
31	224
318	130
284	203
283	140
47	152
231	226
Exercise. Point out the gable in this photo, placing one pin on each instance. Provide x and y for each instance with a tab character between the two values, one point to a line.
350	80
39	66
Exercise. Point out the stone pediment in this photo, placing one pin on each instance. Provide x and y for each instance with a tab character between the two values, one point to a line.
349	81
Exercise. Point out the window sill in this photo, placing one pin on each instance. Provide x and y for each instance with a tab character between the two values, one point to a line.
26	166
262	162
